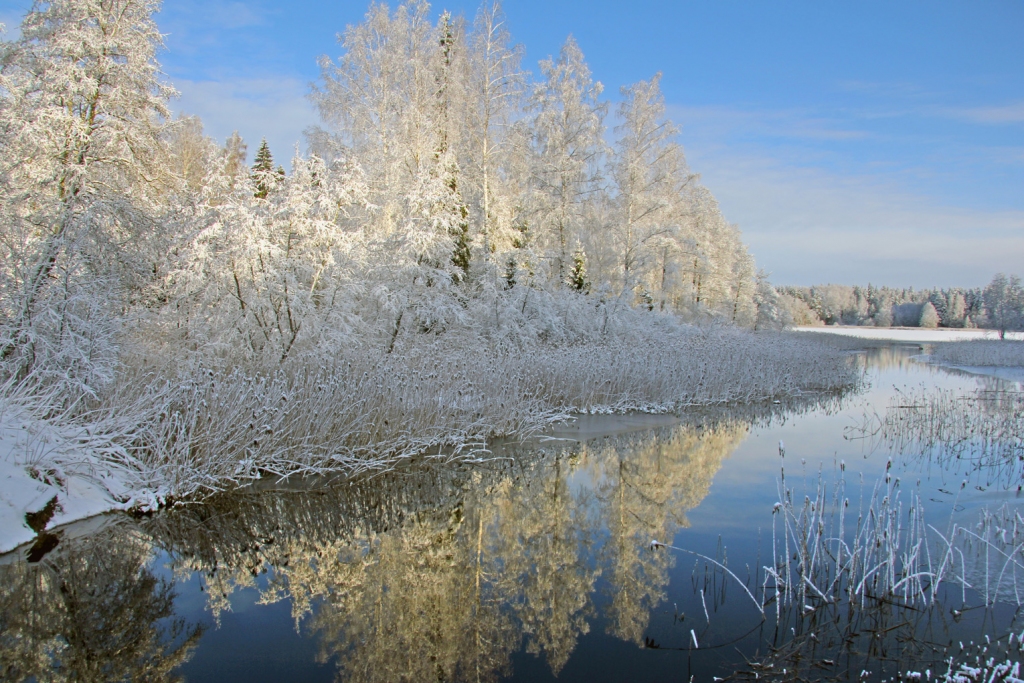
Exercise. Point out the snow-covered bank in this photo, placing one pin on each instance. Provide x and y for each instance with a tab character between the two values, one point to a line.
35	490
910	334
154	437
974	351
999	358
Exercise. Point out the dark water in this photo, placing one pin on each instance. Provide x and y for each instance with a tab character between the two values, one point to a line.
534	566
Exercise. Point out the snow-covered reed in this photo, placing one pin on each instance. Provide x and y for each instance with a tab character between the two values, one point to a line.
884	549
881	553
874	587
983	430
820	559
981	352
184	429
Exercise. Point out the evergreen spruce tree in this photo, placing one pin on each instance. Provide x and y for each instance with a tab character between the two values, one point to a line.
956	310
263	170
578	275
939	301
520	240
510	271
460	233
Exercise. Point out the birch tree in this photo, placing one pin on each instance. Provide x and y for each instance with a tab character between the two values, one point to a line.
720	274
380	103
568	129
1004	304
650	177
496	86
81	113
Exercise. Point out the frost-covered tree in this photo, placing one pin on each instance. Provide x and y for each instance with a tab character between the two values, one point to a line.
771	312
956	310
715	268
651	178
929	316
940	302
1004	304
235	154
270	276
443	208
496	85
190	155
421	106
81	116
568	129
577	279
380	104
743	285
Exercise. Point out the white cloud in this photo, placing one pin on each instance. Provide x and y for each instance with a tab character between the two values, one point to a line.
809	225
274	108
1004	114
774	173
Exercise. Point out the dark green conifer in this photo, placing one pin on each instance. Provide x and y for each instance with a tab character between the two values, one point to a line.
510	272
578	276
262	171
460	233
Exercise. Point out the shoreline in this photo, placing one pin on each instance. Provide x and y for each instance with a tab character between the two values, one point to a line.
908	334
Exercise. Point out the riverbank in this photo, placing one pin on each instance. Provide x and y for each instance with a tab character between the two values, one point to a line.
159	438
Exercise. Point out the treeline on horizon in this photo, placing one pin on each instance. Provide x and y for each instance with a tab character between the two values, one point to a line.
999	305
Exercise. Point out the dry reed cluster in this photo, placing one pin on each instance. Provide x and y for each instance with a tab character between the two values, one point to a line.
185	432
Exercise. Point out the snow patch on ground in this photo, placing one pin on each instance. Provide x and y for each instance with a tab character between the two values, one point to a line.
909	334
1009	374
30	479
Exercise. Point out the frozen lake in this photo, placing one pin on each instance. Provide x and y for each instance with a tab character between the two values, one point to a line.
536	565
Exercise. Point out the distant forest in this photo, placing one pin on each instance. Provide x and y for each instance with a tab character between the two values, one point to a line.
999	305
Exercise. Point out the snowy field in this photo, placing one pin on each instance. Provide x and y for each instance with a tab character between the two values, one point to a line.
910	334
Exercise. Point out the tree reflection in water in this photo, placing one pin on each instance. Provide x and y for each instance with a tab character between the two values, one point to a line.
434	572
92	610
444	573
646	487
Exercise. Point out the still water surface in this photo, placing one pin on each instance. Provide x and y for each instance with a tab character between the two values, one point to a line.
535	566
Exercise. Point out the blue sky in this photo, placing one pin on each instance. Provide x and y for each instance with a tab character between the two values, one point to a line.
851	142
